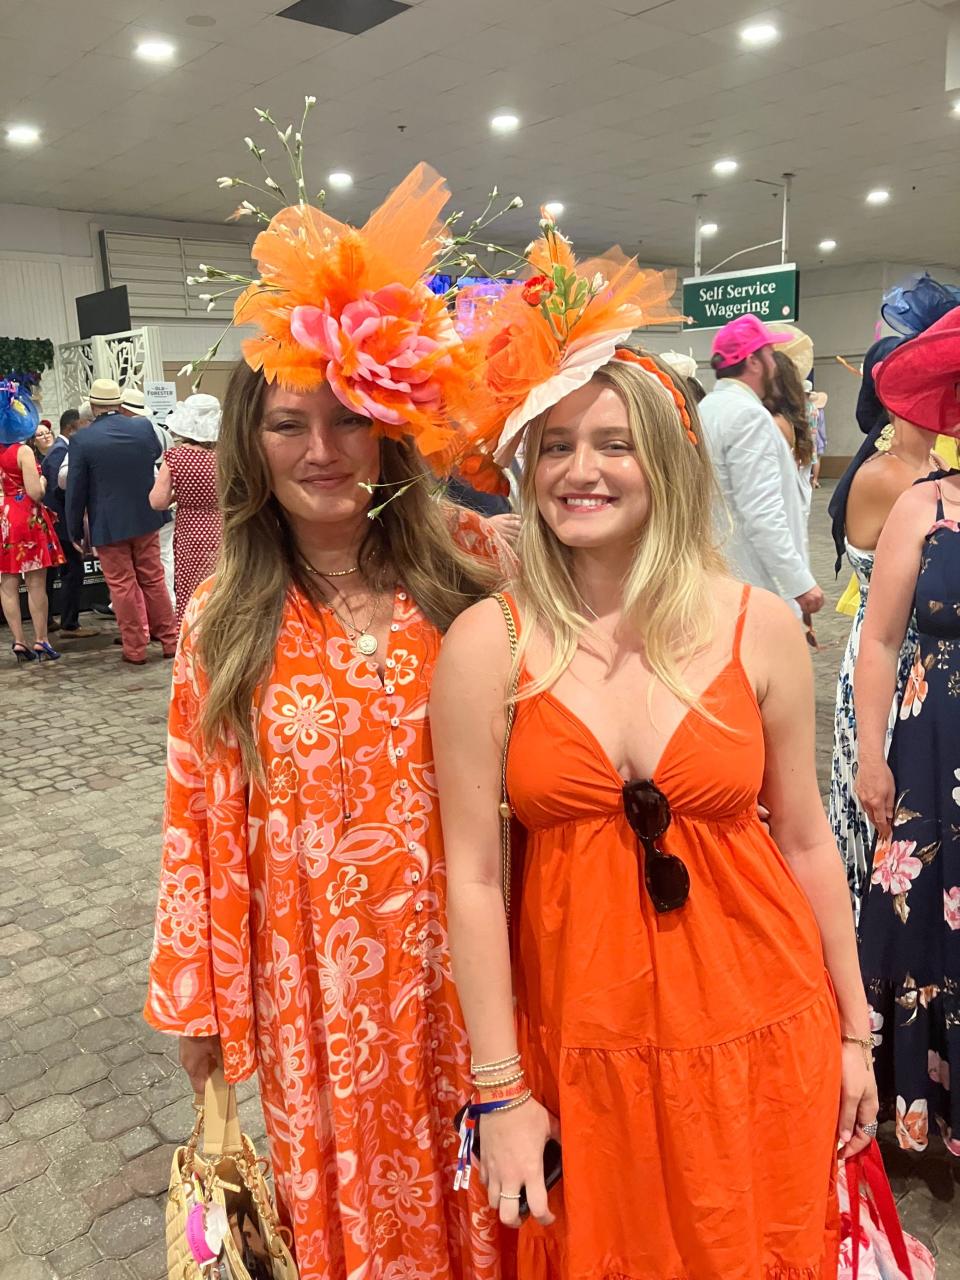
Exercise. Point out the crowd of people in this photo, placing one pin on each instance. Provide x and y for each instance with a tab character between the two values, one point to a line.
493	841
503	865
107	485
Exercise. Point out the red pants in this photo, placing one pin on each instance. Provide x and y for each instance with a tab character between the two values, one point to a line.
139	594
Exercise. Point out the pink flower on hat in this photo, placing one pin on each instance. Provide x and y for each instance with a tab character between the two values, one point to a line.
377	345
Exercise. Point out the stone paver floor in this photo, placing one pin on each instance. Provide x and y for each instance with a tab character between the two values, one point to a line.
91	1100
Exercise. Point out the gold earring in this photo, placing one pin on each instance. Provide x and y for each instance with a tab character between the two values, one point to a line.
885	439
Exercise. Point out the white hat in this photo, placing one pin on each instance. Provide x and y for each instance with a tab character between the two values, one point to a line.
196	418
134	400
686	366
105	391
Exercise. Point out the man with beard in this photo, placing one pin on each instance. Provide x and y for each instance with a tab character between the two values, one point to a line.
755	467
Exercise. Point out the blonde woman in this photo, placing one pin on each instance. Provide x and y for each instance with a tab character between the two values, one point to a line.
301	926
675	964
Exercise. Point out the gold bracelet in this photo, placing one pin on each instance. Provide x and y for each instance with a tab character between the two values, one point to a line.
865	1045
498	1084
486	1067
517	1102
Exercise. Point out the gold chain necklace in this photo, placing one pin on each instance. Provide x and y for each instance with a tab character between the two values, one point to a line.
331	573
360	637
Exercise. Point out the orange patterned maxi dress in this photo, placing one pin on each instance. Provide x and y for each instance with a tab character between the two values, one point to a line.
317	947
693	1058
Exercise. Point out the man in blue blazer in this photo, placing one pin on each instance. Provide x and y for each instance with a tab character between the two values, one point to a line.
110	476
71	571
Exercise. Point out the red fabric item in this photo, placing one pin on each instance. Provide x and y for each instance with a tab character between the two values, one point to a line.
919	381
141	602
28	538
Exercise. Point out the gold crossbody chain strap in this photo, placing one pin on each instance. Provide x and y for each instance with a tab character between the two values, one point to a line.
505	810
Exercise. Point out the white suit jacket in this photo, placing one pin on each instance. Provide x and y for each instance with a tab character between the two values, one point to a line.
758	479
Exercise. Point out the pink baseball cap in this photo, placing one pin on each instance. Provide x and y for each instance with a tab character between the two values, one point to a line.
741	338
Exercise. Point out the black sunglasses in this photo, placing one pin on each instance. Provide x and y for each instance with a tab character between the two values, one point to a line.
648	812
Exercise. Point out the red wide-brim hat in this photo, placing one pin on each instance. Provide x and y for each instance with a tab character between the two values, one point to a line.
919	381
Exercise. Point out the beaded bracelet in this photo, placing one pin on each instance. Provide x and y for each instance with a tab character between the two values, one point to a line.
497	1084
486	1067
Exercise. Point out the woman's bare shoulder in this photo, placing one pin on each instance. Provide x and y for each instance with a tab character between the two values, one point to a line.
482	629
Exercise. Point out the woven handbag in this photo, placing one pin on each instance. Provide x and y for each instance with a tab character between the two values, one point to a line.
224	1184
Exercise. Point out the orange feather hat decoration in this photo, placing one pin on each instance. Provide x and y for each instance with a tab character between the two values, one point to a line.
350	307
549	334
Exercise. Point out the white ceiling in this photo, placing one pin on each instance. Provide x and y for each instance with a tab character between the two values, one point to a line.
625	105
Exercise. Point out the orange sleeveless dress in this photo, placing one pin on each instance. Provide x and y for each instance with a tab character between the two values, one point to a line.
693	1058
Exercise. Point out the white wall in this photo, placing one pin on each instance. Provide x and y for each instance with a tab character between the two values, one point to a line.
840	310
49	257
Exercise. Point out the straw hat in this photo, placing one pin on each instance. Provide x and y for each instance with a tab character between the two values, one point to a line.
105	392
134	400
799	348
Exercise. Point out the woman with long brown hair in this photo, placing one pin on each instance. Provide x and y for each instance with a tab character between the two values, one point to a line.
301	926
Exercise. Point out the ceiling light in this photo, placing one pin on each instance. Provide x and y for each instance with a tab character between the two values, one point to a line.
155	50
880	195
827	246
506	122
340	180
709	229
956	107
724	167
758	34
554	208
23	135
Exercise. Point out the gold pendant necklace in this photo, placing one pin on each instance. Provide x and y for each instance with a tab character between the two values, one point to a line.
360	637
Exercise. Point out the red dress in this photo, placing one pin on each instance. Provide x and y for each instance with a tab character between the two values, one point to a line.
197	532
28	539
693	1058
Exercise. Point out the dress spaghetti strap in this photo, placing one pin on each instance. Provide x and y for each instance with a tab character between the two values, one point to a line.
940	514
741	619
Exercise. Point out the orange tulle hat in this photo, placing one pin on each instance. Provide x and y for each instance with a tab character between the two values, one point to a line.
548	334
351	307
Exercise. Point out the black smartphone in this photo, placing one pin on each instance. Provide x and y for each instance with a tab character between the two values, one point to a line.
552	1160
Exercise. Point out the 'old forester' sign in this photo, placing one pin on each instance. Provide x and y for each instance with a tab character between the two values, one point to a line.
768	292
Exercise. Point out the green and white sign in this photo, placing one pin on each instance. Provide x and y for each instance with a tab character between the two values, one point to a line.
772	293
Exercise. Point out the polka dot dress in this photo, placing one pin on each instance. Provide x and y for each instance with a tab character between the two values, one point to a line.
196	535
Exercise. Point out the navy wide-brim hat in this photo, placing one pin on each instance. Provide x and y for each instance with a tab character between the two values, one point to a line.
920	381
870	411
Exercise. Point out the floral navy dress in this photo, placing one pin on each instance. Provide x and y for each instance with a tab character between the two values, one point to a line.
852	829
910	921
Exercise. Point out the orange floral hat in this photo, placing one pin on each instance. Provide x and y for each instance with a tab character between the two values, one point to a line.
549	334
351	306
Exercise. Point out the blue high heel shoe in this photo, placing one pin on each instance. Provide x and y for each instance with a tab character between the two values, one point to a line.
22	653
45	652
